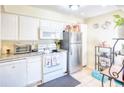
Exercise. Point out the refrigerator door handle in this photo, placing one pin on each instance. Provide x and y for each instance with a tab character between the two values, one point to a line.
70	52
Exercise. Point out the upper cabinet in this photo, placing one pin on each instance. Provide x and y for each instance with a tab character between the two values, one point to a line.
9	27
59	30
28	28
51	29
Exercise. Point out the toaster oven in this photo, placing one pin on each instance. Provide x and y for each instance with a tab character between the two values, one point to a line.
22	48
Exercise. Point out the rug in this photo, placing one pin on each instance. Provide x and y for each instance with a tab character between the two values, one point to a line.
65	81
97	75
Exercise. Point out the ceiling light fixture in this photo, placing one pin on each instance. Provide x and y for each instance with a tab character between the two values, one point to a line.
74	7
82	13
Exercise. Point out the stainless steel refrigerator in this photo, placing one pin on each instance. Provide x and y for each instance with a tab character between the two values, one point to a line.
72	41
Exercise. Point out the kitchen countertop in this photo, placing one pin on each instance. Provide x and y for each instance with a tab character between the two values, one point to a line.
5	58
17	56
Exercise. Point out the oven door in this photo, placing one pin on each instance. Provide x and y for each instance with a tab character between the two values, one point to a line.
51	63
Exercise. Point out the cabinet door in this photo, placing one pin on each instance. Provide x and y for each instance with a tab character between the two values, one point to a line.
34	69
28	28
59	35
9	27
13	74
59	31
63	59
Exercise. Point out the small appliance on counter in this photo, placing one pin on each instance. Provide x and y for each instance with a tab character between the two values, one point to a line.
34	50
22	48
8	51
34	47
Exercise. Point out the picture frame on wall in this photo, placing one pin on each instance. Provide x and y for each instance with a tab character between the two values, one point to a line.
96	26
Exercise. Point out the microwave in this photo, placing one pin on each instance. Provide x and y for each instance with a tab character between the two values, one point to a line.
47	35
22	48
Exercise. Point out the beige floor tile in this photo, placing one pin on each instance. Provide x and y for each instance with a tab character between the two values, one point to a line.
80	75
84	76
88	78
93	83
81	85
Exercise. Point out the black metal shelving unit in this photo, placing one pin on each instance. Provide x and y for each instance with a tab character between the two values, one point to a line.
116	74
102	58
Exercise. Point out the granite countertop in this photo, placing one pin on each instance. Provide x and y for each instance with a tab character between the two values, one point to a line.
4	58
17	56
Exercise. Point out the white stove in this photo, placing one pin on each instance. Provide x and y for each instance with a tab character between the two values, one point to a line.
52	66
46	48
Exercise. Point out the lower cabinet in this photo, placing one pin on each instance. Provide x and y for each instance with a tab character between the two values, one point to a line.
34	69
63	59
13	74
21	72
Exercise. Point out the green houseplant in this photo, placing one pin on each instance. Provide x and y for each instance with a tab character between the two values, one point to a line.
119	23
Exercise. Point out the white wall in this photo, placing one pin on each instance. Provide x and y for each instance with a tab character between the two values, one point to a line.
84	44
95	36
0	29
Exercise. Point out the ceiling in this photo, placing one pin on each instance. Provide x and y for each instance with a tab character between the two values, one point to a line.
84	11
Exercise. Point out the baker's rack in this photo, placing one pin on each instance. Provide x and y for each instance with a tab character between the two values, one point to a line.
115	74
99	59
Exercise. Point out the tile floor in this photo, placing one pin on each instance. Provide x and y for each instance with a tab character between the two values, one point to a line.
87	80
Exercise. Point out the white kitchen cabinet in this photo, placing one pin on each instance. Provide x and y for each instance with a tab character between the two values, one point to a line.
13	73
9	26
59	31
59	35
28	28
34	69
63	59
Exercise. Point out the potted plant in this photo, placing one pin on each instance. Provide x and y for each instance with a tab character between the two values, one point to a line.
119	21
57	42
